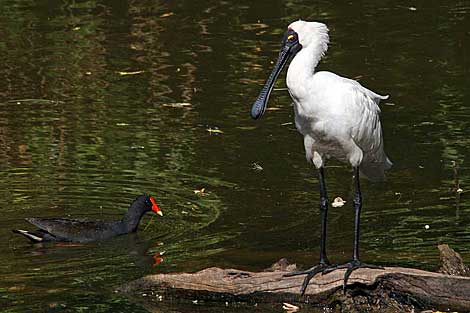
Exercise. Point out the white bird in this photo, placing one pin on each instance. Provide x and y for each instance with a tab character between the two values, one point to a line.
337	117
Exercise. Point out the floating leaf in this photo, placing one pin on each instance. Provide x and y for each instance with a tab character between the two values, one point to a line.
130	73
16	288
137	147
338	202
200	192
246	127
290	307
426	123
255	166
214	131
167	14
254	26
177	104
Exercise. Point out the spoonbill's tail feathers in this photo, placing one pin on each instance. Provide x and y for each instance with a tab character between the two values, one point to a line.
376	95
375	171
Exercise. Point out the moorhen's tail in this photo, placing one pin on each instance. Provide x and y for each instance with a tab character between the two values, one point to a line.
29	235
36	236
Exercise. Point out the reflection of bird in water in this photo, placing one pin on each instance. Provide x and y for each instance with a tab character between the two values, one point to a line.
157	258
337	117
81	230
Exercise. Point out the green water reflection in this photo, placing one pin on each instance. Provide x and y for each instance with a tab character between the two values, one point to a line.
101	101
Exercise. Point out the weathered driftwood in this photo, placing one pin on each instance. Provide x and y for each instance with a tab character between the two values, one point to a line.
393	289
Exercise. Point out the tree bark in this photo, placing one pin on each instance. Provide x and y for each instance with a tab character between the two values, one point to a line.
393	289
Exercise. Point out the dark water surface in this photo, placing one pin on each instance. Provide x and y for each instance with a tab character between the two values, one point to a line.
101	101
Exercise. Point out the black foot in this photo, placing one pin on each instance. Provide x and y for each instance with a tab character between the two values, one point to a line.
311	272
350	267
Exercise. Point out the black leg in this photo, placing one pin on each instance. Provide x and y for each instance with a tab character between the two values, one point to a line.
324	264
324	213
355	263
357	204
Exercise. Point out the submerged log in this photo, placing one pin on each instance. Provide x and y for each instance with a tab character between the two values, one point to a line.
393	289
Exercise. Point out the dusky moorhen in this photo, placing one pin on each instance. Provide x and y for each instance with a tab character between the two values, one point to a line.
83	230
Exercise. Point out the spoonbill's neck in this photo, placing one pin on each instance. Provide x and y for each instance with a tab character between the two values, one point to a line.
301	70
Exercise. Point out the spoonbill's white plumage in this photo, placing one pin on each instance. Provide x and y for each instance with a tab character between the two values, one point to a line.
337	117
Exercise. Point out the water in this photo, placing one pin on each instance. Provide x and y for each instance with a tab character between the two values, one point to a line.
101	101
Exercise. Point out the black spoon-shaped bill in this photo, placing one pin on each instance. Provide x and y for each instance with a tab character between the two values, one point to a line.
290	47
259	107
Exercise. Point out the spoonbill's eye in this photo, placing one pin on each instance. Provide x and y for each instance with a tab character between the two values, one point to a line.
291	37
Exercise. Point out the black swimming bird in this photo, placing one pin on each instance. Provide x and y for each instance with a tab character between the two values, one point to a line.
83	230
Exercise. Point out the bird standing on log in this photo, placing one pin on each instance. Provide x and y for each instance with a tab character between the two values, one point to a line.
337	117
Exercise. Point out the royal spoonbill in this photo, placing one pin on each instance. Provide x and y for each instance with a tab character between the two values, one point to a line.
337	117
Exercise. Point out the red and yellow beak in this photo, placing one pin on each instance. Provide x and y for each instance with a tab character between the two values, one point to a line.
155	207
